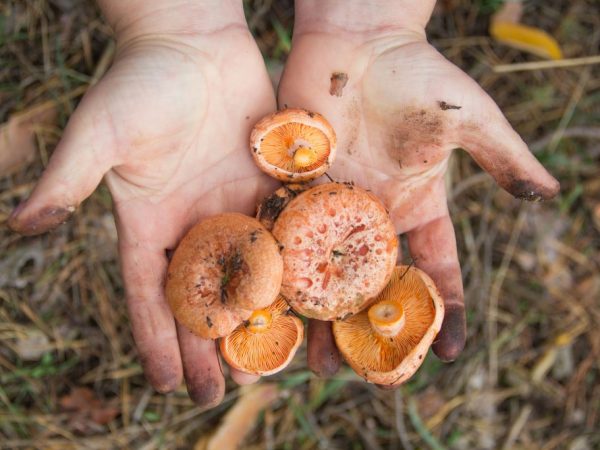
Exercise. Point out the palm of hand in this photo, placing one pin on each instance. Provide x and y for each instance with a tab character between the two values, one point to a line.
398	117
168	128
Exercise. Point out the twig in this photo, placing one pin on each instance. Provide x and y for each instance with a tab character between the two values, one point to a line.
571	132
554	64
570	110
400	427
495	294
517	427
420	427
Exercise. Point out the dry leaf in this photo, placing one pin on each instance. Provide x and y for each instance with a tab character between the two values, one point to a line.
240	419
505	28
17	137
86	410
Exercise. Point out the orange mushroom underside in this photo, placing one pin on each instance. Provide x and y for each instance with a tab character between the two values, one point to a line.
388	341
293	144
295	147
266	342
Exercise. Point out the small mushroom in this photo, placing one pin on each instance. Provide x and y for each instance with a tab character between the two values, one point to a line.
339	250
224	268
387	342
293	145
266	342
269	209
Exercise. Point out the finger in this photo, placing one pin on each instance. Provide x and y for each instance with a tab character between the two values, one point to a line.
243	378
323	356
433	248
203	375
500	151
152	322
82	157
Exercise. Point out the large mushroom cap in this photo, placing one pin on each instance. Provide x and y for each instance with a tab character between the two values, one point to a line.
293	145
387	342
266	342
339	250
223	269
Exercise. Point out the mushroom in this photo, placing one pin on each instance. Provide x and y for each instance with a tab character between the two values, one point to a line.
223	269
293	145
339	250
265	343
269	209
387	342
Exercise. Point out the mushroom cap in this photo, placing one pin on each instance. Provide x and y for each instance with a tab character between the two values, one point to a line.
266	343
387	359
293	145
224	268
339	250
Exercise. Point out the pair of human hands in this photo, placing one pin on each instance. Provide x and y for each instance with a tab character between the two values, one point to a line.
168	125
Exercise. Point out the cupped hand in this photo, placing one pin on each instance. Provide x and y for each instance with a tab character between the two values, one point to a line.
399	108
168	128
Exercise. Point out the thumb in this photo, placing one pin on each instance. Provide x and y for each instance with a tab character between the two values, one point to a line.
500	151
75	169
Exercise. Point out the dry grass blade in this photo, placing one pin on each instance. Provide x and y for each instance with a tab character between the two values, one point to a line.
531	272
240	419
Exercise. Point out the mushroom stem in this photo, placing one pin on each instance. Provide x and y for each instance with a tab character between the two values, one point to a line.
387	318
303	157
259	321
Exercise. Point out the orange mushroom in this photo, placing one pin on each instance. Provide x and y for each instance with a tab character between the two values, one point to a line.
293	145
265	343
339	250
387	342
224	268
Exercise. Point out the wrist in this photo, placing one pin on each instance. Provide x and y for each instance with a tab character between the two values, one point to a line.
362	18
133	18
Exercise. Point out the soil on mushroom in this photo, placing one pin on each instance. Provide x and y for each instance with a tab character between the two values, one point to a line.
223	269
339	250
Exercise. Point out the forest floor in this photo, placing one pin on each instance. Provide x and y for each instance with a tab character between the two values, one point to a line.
529	377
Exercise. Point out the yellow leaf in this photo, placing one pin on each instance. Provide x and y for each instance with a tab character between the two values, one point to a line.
529	39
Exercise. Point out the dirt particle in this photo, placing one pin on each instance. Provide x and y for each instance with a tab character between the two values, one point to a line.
254	236
446	106
337	84
209	322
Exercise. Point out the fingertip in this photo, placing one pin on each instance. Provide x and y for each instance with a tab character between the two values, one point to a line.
28	222
206	392
243	378
164	374
450	341
323	357
526	189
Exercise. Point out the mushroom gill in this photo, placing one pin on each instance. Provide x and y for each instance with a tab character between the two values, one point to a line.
293	144
266	342
387	342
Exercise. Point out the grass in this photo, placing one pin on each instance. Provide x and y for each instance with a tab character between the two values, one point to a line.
529	377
